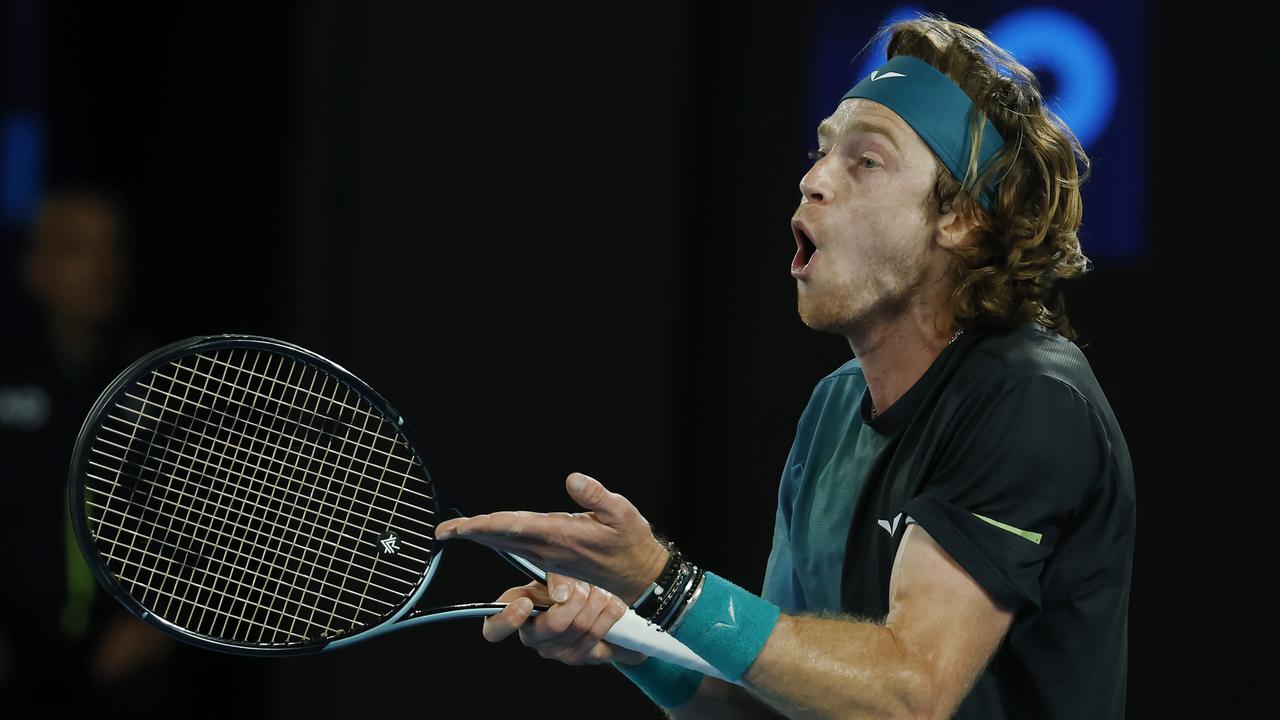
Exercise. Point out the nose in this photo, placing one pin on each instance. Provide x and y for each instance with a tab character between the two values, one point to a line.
813	186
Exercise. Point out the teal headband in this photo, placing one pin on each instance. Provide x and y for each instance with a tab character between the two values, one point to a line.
936	108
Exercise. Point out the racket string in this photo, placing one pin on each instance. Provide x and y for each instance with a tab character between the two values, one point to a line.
178	466
224	414
227	521
236	439
302	441
337	421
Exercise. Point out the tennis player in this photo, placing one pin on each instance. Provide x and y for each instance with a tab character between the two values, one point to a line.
955	523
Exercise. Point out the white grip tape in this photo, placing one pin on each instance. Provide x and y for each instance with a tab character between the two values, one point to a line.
636	633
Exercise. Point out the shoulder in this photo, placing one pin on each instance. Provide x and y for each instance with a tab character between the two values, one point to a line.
845	382
1032	364
1033	354
1029	384
1029	399
852	369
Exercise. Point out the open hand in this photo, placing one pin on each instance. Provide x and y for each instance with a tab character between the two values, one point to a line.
610	545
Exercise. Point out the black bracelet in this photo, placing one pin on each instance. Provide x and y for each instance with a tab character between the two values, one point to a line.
671	598
687	602
668	598
680	596
658	594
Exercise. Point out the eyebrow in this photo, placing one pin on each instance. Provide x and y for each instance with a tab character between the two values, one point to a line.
824	128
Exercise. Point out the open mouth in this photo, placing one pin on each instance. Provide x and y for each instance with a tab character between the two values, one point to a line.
805	250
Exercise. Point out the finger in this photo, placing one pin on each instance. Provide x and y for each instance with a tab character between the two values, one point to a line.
507	524
592	495
572	651
531	550
559	587
559	627
499	626
513	616
446	529
534	590
611	609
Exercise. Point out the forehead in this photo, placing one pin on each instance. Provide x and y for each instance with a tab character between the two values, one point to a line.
863	115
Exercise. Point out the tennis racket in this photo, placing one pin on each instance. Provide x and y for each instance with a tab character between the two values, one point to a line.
246	495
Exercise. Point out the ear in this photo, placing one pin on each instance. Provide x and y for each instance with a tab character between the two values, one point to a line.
954	228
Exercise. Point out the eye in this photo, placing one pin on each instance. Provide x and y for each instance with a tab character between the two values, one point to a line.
816	155
873	161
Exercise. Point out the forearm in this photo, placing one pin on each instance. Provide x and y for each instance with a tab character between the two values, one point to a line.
717	699
823	667
820	667
816	667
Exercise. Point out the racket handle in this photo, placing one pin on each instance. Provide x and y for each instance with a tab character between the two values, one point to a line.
632	631
635	633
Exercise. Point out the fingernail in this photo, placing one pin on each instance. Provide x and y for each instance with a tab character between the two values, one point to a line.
444	533
585	588
560	593
578	483
525	605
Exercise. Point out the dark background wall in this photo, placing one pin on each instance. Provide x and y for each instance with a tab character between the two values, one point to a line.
557	239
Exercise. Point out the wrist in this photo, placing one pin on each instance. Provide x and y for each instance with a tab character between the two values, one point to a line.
726	625
667	597
653	567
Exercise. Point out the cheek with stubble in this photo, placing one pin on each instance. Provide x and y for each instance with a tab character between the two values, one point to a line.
832	298
859	282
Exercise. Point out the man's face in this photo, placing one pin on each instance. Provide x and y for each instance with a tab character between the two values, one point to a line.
863	208
77	268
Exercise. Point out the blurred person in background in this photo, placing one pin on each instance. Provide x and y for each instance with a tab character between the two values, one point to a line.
59	633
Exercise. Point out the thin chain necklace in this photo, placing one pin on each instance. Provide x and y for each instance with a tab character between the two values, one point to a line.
875	414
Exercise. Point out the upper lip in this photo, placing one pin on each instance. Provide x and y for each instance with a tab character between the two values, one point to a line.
798	229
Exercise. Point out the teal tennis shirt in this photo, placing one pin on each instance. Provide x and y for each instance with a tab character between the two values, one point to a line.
1007	453
820	482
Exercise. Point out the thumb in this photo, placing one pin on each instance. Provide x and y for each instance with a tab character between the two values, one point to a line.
590	494
560	587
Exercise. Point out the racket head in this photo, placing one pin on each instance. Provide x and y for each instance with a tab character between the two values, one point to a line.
247	495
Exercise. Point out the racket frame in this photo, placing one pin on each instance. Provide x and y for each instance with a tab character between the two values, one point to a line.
212	343
631	631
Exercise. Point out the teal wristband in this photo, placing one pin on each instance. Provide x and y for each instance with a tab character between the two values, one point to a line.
667	684
727	625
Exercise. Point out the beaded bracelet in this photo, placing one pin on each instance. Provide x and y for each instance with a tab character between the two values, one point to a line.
653	599
666	599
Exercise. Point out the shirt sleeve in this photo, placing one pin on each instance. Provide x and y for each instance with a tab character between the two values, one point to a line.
1015	470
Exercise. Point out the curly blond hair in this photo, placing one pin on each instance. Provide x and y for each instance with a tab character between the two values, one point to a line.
1028	241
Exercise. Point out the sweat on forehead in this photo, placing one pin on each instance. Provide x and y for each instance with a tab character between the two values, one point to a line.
936	108
839	124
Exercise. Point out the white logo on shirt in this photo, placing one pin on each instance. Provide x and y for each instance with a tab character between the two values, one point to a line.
891	528
875	75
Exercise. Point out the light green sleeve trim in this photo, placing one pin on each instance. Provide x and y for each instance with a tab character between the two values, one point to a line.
1033	537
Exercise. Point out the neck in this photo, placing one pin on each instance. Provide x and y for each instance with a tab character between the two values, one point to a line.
895	354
